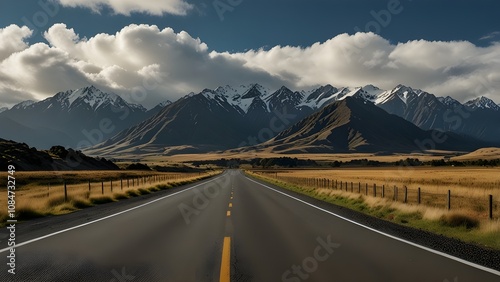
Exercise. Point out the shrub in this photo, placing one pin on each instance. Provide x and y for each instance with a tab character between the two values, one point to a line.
81	204
132	193
121	196
101	200
26	213
457	220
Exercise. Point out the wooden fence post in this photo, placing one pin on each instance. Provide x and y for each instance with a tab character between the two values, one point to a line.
102	187
366	189
418	196
65	191
375	190
491	206
406	194
121	184
449	200
89	185
383	191
111	186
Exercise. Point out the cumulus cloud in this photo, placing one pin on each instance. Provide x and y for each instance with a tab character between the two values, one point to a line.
145	64
126	7
459	69
12	39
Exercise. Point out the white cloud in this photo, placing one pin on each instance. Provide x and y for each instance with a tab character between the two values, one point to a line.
459	69
12	39
147	65
126	7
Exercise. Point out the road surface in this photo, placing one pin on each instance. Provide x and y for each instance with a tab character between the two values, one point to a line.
230	228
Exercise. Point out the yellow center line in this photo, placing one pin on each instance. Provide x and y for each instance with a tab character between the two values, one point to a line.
231	198
226	261
230	205
228	213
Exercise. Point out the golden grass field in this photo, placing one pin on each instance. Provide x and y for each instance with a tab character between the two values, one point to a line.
467	220
42	193
470	187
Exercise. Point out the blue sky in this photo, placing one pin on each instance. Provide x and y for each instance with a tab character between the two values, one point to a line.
446	47
260	23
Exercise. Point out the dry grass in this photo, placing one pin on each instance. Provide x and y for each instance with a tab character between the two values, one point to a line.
484	153
460	223
35	200
465	184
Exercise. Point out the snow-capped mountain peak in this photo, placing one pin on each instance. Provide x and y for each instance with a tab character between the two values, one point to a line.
23	105
401	92
242	96
165	103
448	101
482	103
91	97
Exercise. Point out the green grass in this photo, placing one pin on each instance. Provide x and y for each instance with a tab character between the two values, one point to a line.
456	226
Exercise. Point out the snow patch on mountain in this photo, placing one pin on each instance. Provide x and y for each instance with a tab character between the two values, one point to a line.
24	105
91	96
482	103
448	101
242	96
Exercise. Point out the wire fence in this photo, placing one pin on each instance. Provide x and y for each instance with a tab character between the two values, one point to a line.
91	188
484	207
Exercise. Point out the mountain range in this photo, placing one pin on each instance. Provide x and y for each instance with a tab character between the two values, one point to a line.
74	118
356	125
232	117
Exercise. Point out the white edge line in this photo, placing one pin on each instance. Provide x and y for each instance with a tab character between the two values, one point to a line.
104	218
492	271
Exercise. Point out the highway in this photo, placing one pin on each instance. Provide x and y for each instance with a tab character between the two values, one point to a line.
229	228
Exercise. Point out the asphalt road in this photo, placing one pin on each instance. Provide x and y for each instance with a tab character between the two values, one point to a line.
228	227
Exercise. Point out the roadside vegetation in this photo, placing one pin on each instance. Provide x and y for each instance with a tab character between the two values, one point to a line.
460	223
43	194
